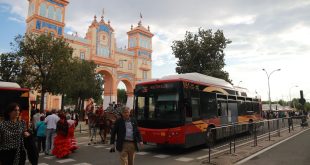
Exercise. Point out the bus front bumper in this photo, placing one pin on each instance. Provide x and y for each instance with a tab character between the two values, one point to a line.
163	136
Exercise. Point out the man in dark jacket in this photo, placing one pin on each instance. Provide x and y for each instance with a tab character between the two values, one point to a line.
128	137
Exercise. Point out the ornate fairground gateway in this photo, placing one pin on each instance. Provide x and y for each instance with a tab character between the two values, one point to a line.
129	65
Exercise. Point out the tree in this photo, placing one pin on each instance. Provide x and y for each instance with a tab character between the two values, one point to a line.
202	52
10	67
121	96
43	55
282	102
81	81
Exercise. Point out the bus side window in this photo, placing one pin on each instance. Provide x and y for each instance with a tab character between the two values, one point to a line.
219	109
188	112
195	108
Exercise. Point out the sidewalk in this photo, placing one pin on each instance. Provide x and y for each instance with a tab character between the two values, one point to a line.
247	148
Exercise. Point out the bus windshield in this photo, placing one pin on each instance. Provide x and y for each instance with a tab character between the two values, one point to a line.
158	104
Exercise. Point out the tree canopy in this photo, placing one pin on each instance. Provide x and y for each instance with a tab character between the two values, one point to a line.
10	67
43	55
202	52
45	63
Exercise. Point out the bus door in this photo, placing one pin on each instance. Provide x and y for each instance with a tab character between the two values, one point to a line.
222	110
232	112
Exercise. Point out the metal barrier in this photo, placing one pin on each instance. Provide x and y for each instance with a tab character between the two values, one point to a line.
253	130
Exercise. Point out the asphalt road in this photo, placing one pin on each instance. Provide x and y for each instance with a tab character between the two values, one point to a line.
295	151
150	155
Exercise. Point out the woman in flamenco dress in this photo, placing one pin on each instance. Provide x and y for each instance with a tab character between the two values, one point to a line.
62	143
73	142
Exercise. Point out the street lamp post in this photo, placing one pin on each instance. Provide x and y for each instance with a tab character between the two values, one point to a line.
290	93
268	76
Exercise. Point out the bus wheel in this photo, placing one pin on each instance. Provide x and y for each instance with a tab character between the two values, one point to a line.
211	137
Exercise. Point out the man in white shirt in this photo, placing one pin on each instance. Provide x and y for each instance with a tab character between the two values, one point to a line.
51	125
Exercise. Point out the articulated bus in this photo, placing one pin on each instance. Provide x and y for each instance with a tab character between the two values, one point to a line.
182	109
11	92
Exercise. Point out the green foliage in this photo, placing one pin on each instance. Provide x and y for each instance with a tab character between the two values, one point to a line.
45	63
121	96
81	81
202	52
43	55
10	67
282	102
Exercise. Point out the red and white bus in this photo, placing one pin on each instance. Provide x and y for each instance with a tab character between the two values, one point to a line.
182	109
11	92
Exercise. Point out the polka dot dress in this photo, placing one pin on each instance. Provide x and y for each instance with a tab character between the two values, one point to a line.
11	137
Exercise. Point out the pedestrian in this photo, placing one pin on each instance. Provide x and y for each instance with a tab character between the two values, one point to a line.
128	137
12	134
71	137
90	111
36	118
61	142
41	134
51	125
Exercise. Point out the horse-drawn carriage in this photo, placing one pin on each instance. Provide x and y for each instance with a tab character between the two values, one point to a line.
102	121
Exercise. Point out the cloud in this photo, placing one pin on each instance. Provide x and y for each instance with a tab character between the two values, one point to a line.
18	7
15	19
265	34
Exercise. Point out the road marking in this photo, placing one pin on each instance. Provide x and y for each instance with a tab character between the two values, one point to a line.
142	153
42	164
83	164
41	154
65	160
161	156
49	157
108	148
268	148
183	159
99	146
84	137
80	143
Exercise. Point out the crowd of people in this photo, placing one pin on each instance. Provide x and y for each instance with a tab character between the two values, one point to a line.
283	114
52	133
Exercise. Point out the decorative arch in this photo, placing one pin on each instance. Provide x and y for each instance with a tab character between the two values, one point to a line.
129	91
31	9
43	10
51	12
58	15
128	84
110	88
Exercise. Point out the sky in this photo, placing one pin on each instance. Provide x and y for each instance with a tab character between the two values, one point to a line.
265	34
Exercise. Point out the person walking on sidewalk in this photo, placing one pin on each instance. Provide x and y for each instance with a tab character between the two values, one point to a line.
128	137
41	134
51	125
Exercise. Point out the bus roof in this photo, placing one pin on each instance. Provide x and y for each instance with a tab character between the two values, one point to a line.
11	86
193	77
